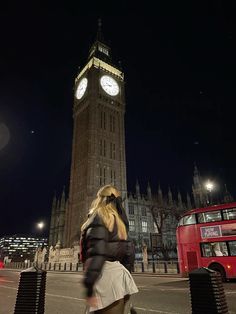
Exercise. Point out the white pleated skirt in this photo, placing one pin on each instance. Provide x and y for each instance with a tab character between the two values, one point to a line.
114	283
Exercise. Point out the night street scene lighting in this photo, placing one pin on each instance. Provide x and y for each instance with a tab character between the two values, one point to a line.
40	225
209	186
140	98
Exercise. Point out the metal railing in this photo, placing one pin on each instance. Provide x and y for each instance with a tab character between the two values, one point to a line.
158	267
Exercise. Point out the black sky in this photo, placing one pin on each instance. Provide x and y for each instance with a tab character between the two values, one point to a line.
179	64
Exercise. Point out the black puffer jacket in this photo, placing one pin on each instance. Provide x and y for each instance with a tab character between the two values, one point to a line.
99	245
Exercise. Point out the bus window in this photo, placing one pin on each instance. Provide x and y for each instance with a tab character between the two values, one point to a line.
209	216
189	220
206	250
181	222
232	248
214	249
229	214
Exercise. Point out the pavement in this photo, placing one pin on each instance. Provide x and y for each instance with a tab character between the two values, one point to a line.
164	294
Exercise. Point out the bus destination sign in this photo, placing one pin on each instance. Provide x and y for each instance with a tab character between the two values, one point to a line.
211	232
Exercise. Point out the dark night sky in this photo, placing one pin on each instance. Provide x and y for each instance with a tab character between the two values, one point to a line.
179	64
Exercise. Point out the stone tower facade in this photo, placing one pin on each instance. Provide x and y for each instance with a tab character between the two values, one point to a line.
98	149
57	223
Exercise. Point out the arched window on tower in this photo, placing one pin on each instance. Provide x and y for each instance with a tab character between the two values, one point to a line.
104	148
112	123
100	175
114	151
103	120
114	177
100	147
104	175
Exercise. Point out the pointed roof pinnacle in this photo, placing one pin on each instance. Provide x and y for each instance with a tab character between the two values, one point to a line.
63	191
137	188
226	190
99	32
196	172
149	191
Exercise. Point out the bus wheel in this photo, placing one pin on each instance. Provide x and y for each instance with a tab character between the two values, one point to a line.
220	269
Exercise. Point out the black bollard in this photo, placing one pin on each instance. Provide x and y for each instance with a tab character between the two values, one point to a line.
31	291
165	268
153	267
177	267
142	264
207	292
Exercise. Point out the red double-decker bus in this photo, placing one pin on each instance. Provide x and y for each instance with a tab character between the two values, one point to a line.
206	237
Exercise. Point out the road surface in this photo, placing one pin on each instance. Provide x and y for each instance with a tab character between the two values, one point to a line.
65	294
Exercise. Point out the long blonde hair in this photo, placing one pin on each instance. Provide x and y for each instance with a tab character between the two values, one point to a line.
106	211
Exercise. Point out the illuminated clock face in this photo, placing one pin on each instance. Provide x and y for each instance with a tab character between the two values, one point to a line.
81	88
109	85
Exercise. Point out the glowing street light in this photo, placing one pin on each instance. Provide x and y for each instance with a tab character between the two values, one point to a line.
40	225
209	187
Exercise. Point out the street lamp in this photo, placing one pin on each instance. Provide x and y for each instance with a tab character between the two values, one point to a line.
40	225
209	187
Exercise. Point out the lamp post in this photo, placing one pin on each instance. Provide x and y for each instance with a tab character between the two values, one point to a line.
209	187
39	226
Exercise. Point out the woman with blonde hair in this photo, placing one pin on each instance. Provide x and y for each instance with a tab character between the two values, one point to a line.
104	248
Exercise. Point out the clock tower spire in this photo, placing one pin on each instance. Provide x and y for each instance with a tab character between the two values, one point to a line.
99	32
98	148
99	48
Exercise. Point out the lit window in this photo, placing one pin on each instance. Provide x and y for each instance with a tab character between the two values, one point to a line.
144	226
209	216
103	50
131	225
214	249
189	220
229	214
232	248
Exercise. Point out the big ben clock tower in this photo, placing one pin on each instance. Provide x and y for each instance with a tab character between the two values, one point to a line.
98	149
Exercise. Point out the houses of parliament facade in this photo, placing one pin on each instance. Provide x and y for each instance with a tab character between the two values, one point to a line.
98	158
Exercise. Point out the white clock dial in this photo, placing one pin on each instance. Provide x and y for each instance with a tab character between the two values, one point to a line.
109	85
81	88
